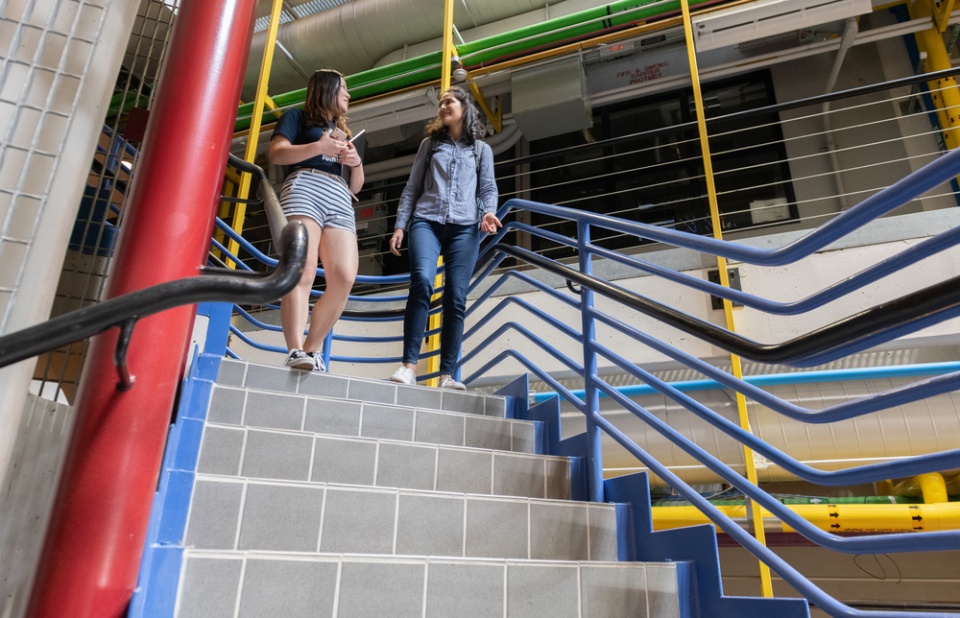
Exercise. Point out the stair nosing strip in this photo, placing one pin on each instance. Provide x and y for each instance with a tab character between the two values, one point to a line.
233	554
395	490
369	439
364	401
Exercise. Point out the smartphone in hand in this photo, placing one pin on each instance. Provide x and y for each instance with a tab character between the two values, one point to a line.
338	134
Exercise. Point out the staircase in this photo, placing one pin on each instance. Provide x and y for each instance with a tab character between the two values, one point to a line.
303	494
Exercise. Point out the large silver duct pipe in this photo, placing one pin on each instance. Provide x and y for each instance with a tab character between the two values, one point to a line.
355	37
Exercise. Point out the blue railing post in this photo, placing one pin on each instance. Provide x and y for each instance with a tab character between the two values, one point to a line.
591	394
325	350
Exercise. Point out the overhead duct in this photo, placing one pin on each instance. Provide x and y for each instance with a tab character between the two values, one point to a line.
766	18
551	99
353	37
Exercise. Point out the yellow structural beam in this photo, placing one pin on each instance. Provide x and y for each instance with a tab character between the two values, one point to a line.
495	117
434	321
253	134
223	213
941	14
756	513
944	91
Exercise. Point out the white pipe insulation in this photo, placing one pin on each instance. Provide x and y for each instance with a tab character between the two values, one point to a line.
850	29
907	430
356	36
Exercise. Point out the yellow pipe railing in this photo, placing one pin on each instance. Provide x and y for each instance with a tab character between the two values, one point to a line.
838	518
756	513
932	487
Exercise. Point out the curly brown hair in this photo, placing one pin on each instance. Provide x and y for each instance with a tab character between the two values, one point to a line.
473	127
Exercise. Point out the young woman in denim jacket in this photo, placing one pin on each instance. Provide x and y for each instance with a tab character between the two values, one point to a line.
313	142
441	207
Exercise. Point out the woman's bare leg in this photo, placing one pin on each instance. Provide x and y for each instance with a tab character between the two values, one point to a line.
340	259
295	305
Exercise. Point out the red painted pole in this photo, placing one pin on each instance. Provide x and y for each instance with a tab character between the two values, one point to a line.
95	539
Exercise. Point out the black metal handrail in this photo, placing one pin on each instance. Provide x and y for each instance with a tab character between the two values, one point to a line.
213	285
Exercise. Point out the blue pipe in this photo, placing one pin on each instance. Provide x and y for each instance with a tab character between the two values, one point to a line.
779	379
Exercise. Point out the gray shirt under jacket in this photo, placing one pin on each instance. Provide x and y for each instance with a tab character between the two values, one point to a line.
449	193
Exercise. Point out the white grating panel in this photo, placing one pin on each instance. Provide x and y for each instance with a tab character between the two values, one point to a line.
52	106
51	46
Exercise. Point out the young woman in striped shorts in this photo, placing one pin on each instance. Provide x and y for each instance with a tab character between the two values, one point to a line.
313	142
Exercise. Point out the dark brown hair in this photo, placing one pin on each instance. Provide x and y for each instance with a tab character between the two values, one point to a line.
321	105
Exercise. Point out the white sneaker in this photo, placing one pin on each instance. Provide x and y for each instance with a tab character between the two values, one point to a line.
449	382
404	375
317	359
298	359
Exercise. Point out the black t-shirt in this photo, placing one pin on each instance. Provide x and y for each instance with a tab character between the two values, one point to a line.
293	126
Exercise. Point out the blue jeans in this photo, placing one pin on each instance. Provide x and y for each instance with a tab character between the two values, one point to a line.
459	245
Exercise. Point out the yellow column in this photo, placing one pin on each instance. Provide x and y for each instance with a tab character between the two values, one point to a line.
944	91
254	132
433	342
766	585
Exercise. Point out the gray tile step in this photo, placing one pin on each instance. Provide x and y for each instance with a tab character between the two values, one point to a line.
234	584
298	456
266	378
312	413
228	513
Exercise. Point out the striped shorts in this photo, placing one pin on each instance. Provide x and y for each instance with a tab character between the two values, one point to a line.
323	197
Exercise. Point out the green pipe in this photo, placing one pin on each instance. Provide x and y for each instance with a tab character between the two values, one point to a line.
426	68
124	102
804	500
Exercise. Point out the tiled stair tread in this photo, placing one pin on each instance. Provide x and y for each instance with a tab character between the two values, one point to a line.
229	513
255	584
303	456
298	412
266	378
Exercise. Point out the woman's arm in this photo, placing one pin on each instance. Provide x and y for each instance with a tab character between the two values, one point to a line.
282	152
487	190
487	182
414	187
351	158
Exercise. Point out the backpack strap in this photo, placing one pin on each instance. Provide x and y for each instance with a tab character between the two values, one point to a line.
426	163
478	149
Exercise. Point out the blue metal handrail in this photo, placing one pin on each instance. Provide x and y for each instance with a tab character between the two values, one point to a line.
849	334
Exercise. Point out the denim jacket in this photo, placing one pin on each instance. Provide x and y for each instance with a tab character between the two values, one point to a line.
448	194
